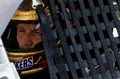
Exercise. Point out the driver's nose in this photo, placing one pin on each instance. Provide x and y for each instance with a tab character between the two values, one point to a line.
27	41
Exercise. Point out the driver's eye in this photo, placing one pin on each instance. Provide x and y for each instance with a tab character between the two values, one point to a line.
22	31
36	34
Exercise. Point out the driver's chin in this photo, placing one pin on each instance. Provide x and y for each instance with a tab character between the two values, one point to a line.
26	47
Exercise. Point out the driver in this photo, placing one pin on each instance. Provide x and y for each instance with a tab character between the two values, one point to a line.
23	41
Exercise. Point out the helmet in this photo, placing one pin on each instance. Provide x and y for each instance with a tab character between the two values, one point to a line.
27	60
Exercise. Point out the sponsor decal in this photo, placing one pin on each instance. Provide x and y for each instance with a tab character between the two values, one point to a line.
24	63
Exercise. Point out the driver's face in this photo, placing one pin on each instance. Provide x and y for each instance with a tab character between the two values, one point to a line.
28	35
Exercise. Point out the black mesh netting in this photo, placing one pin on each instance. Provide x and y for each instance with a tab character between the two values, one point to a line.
81	42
